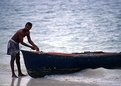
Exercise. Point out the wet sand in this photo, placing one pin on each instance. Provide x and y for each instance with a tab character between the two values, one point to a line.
7	80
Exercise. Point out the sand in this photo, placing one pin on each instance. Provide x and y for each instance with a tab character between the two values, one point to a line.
7	80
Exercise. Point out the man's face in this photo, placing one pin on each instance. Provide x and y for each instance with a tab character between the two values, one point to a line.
28	27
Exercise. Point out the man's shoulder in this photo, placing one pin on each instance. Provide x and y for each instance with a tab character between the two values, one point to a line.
19	31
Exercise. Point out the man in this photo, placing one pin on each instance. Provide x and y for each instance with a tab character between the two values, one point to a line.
13	47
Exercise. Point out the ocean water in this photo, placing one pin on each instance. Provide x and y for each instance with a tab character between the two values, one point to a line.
65	26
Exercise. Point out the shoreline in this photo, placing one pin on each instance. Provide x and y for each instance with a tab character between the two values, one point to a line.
89	77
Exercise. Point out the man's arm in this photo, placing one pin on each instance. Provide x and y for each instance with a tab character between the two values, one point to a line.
23	43
32	43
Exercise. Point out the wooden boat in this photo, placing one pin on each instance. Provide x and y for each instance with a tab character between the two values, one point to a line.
39	65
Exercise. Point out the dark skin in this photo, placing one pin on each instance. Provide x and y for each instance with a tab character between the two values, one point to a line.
18	37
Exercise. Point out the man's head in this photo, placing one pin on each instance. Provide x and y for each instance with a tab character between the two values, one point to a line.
28	25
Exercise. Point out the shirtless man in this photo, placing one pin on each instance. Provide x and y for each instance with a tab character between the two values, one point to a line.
13	47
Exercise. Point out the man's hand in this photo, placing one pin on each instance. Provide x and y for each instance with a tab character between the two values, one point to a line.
36	48
32	47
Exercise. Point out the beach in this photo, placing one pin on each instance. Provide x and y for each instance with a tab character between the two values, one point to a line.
89	77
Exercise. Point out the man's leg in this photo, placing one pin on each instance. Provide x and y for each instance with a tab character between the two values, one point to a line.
18	65
12	65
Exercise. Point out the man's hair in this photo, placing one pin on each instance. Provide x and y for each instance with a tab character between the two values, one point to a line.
28	23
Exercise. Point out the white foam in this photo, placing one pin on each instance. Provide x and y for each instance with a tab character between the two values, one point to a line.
94	76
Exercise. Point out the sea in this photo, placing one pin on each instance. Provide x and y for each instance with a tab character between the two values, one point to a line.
69	26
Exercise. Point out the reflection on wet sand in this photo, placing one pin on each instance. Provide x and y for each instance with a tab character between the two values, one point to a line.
47	82
18	81
27	81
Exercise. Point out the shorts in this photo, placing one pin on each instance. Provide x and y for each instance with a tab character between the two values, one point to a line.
13	48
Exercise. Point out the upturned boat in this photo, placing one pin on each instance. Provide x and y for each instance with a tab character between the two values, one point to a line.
39	65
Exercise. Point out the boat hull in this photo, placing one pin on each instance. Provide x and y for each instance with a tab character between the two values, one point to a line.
39	65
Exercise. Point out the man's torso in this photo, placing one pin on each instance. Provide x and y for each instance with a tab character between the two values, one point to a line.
20	33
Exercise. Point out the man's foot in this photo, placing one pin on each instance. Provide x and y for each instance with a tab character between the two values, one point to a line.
21	75
14	76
